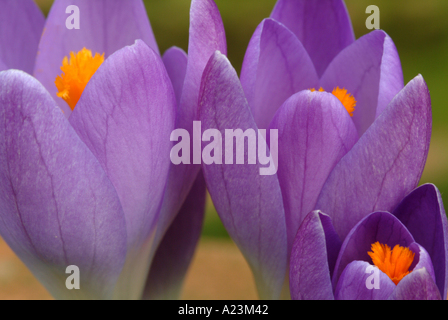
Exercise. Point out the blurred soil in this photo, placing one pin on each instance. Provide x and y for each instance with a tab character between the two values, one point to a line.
218	271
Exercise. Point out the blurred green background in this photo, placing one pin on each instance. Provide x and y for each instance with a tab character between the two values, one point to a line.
419	29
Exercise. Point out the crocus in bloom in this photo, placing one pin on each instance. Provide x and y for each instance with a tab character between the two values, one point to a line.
86	182
409	248
352	139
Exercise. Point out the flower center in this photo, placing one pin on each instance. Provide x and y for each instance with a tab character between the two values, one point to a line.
76	75
393	262
347	100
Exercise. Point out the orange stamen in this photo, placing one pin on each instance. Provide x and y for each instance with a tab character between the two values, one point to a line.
347	100
395	263
76	75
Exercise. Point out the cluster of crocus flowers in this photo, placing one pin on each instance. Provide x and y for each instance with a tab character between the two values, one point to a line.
86	177
357	145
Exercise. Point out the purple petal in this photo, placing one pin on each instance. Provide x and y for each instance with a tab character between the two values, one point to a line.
175	61
105	27
379	227
206	36
418	285
391	80
21	25
323	27
370	70
422	212
125	116
58	206
275	67
2	66
249	204
385	164
357	281
315	132
176	250
313	258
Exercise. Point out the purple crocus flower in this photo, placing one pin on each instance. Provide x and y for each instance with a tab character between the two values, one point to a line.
89	187
323	268
345	166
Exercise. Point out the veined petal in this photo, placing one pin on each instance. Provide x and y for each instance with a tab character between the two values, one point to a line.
59	208
249	204
323	26
125	116
21	25
370	70
314	133
105	27
418	285
385	164
355	279
379	227
313	257
422	212
275	67
176	250
207	35
175	61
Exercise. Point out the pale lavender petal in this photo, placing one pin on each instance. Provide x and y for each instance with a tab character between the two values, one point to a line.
21	25
275	67
314	133
370	70
207	35
418	285
105	27
356	283
422	212
249	204
125	116
58	207
313	257
385	164
175	60
322	26
421	260
176	250
379	227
